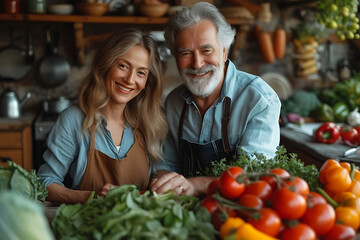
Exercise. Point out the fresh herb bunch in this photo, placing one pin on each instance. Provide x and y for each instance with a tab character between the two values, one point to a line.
126	214
259	163
339	15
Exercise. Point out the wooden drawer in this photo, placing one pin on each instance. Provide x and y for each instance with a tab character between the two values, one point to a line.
10	139
13	155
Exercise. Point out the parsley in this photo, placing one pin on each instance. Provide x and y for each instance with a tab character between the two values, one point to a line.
257	162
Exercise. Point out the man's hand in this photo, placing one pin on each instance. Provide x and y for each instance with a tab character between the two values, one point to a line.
172	181
103	191
166	181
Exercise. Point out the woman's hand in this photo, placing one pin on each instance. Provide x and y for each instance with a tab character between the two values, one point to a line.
103	191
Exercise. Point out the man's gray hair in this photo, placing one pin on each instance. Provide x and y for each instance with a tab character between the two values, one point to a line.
188	17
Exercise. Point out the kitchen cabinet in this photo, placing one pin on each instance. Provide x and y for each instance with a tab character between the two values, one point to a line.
78	22
16	141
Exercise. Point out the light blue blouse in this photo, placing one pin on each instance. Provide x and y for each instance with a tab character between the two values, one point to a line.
68	146
253	125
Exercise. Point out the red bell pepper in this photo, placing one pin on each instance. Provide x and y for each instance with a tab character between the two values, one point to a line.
328	132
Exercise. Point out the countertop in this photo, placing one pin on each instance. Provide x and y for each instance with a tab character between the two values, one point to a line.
17	123
300	140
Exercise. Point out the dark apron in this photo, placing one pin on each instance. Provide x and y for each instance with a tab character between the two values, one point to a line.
197	157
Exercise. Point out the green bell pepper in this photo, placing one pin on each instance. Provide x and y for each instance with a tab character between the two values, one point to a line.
323	113
341	111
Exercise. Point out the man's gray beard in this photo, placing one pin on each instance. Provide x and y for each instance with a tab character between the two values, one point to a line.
202	87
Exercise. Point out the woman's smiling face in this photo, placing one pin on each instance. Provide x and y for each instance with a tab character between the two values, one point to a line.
128	77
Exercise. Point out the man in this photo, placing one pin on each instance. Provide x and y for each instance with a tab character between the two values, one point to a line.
218	110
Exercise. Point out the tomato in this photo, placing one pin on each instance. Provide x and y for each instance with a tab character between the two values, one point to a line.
314	198
213	186
320	217
249	200
259	188
298	185
349	135
229	187
299	232
288	205
266	221
272	180
340	232
210	203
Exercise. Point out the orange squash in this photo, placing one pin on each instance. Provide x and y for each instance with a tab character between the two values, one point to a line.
266	46
279	42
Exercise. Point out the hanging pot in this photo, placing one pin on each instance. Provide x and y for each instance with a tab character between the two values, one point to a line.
56	105
52	69
15	62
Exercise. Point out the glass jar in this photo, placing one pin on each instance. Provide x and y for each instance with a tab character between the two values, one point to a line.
37	6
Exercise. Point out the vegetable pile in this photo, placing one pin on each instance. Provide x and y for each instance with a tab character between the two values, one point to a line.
17	179
125	213
277	205
330	132
22	218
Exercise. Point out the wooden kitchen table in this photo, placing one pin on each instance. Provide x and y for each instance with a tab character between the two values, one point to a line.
295	140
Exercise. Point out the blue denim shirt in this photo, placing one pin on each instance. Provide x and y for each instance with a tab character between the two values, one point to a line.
253	125
68	146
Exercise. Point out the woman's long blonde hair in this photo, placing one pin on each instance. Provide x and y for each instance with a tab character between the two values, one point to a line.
145	112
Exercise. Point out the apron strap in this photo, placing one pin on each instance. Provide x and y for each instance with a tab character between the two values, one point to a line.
224	124
181	121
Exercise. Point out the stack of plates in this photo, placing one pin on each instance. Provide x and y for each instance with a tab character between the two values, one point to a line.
279	83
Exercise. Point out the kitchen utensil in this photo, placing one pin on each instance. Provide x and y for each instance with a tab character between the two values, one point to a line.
352	151
10	105
15	62
55	105
52	69
279	83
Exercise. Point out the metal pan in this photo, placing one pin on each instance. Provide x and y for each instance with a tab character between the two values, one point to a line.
52	69
15	62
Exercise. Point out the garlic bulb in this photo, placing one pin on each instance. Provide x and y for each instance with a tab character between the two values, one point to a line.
354	118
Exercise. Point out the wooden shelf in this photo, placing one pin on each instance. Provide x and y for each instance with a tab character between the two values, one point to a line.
99	19
79	20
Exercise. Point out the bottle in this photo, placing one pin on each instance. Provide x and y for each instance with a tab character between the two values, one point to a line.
11	6
37	6
344	70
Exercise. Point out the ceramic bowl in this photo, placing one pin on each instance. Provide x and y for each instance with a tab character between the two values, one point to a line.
95	9
153	10
63	9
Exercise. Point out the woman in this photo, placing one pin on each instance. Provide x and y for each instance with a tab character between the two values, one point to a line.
115	134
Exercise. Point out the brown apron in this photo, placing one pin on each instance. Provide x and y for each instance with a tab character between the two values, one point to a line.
102	169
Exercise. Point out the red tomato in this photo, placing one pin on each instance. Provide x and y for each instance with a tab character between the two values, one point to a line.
287	204
266	221
210	203
249	200
321	218
340	232
259	188
229	187
349	135
314	198
213	186
298	185
299	232
272	180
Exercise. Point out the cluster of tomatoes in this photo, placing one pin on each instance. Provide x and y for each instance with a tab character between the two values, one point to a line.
330	132
274	203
